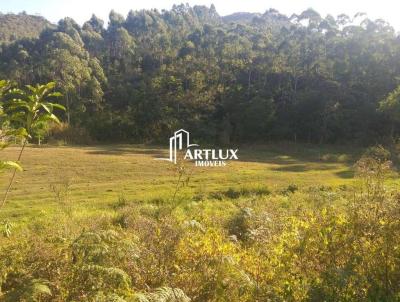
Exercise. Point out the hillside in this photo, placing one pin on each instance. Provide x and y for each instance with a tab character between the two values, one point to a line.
241	17
239	78
14	27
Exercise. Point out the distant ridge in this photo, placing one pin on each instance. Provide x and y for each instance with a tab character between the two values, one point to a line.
18	26
241	17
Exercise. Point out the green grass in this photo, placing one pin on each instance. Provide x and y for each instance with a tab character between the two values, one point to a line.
99	175
274	214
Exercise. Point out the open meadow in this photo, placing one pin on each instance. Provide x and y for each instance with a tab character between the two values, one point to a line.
92	178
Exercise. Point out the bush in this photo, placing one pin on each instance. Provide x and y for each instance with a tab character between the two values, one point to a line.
234	193
240	224
317	245
68	134
290	189
377	153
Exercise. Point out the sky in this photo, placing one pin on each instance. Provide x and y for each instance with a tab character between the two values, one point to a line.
81	10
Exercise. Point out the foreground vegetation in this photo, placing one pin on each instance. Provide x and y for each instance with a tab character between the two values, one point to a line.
239	234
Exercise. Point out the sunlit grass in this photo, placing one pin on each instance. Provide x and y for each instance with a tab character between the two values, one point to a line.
98	175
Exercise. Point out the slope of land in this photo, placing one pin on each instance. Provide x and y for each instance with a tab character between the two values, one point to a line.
14	27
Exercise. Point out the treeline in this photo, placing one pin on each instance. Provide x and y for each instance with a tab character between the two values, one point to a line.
245	77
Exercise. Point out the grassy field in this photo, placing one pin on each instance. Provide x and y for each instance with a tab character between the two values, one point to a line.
283	223
95	176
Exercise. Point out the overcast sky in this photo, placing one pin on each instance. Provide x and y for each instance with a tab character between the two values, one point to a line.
81	10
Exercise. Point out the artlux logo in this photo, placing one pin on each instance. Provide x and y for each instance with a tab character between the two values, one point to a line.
180	142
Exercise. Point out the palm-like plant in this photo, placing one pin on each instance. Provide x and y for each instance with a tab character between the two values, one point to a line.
33	106
5	131
27	110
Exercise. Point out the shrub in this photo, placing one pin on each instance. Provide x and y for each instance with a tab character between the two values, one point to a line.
373	168
240	224
234	193
318	245
68	134
97	257
162	294
208	268
290	189
377	153
343	158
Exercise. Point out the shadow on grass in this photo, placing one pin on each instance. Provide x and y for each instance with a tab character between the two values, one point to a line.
121	150
290	157
293	154
347	174
302	168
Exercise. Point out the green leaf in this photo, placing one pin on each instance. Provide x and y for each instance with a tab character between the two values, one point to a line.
4	145
10	165
55	94
58	106
20	132
31	88
54	118
47	107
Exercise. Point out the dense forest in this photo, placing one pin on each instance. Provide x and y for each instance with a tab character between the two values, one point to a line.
239	78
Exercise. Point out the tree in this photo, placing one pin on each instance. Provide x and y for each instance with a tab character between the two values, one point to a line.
391	107
218	76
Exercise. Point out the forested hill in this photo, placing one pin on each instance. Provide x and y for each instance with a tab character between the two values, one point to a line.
238	78
241	17
14	27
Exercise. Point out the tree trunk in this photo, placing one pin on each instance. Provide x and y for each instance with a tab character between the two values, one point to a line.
249	83
392	132
13	176
68	110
